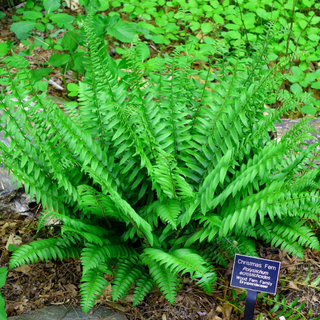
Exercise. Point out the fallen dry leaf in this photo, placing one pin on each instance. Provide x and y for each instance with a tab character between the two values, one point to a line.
70	287
292	285
13	239
219	309
179	298
24	269
117	306
227	310
129	298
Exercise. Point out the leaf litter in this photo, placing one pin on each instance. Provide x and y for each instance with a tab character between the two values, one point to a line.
48	283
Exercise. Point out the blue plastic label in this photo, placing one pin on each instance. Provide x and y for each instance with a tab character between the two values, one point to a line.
255	274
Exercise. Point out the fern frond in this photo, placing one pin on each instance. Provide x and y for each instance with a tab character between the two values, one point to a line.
180	260
143	286
77	224
166	281
93	255
93	283
280	306
94	202
169	211
141	225
127	271
44	250
169	178
290	234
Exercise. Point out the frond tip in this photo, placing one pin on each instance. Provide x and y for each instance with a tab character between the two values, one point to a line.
45	249
93	283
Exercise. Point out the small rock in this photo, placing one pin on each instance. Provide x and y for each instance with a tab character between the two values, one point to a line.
13	203
69	313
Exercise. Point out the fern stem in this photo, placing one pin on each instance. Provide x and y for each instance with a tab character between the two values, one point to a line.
172	112
200	100
216	119
97	105
244	26
285	306
232	124
291	24
139	231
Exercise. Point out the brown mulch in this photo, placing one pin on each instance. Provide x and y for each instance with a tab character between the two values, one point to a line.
48	283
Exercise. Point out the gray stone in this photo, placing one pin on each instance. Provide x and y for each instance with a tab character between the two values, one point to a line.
13	203
69	313
288	123
5	3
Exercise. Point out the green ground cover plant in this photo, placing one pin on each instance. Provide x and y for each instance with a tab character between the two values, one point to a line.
171	22
156	173
3	275
67	49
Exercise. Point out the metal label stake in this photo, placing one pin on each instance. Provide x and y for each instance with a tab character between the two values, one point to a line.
255	275
250	303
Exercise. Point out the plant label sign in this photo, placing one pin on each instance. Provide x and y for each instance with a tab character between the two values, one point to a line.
254	274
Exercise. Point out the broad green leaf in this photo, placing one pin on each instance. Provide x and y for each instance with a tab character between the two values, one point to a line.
296	88
4	48
232	26
262	13
73	88
194	25
234	35
122	31
32	15
41	72
159	39
3	275
41	85
78	59
218	19
104	5
309	110
51	5
57	60
3	314
314	37
206	27
62	19
297	71
22	28
29	4
214	3
315	85
304	66
69	41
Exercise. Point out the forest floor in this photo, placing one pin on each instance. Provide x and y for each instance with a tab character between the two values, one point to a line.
48	283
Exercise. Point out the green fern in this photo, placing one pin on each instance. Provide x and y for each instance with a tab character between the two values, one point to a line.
92	285
166	281
45	249
125	276
156	175
142	287
280	307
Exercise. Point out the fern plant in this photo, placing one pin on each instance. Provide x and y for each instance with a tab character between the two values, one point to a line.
156	173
